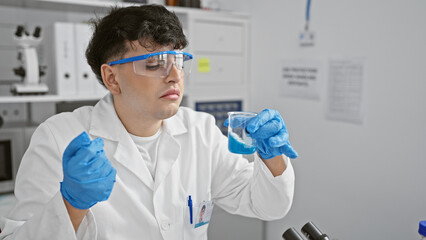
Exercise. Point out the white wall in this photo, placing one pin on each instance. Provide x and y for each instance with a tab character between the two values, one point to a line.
354	181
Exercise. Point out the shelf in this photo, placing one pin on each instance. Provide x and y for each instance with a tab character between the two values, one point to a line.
93	3
47	98
110	3
120	3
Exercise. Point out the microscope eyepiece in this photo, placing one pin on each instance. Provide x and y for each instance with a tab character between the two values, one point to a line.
37	31
312	232
292	234
19	31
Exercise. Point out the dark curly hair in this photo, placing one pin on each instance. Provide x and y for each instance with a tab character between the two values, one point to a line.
151	25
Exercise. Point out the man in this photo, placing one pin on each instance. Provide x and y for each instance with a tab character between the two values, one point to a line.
126	168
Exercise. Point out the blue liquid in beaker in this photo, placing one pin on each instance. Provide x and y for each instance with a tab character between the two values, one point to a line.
236	145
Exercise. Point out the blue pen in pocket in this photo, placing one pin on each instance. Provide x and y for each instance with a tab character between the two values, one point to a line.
190	208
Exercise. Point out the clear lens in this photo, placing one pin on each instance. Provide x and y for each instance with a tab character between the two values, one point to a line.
160	65
187	67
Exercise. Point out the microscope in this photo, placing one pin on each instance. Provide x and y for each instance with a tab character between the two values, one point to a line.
309	230
29	71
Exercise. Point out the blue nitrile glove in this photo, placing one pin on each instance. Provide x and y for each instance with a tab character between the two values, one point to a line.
269	131
88	174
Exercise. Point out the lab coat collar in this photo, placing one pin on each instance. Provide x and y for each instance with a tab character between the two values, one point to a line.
105	122
174	125
106	125
168	154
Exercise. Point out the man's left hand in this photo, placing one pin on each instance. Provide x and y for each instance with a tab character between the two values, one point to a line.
270	132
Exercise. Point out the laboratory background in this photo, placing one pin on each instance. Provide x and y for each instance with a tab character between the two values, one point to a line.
348	77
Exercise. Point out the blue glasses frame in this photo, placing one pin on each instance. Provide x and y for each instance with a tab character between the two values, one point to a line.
186	57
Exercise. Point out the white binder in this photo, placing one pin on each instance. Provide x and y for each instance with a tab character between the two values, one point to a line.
86	79
64	55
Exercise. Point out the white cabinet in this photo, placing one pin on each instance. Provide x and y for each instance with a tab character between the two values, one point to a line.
218	36
220	44
224	69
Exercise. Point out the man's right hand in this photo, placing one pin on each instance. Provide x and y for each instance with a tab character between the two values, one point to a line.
88	175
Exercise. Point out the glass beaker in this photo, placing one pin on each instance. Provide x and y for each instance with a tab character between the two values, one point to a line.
238	140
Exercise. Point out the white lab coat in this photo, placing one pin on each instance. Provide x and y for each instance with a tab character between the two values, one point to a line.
193	159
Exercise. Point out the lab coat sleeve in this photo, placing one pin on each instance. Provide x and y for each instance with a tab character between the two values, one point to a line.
249	189
40	212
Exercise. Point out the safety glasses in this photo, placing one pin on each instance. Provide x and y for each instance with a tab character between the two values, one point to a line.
159	64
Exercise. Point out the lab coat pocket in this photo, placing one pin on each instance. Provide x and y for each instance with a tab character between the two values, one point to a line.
195	229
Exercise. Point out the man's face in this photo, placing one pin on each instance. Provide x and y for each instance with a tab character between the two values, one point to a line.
152	97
